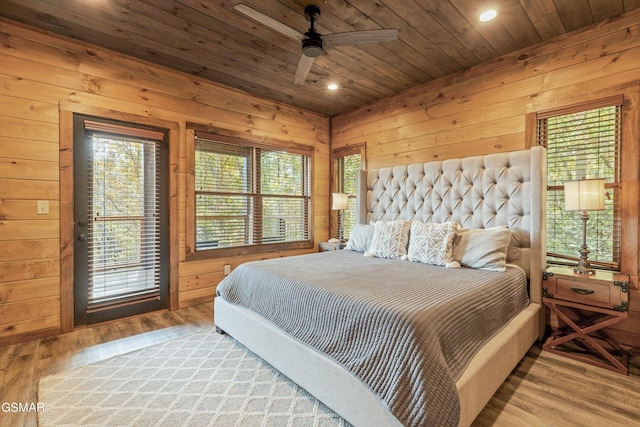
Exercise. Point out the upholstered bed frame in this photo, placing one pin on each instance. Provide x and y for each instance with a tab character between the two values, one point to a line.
505	189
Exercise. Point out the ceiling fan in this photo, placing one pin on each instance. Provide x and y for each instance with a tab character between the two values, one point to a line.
313	43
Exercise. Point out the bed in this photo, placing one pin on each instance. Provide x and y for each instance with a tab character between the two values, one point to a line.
361	330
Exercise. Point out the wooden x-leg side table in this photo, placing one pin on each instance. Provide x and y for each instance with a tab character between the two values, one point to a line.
584	306
587	333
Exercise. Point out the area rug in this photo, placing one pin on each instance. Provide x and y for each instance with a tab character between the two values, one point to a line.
204	379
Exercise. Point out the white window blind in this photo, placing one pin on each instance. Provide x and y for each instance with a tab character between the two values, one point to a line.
248	195
583	142
123	225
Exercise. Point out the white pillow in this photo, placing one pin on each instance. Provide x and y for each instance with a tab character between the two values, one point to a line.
390	239
482	248
360	239
432	243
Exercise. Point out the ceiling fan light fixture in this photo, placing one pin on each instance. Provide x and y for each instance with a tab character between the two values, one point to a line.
332	86
312	47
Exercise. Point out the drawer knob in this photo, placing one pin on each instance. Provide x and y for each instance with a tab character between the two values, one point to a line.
581	291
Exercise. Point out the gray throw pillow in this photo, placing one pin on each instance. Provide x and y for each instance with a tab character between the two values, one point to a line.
482	248
360	239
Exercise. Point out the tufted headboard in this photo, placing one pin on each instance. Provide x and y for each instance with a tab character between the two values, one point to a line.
503	189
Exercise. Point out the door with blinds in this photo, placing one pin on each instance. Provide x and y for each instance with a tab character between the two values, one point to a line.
120	220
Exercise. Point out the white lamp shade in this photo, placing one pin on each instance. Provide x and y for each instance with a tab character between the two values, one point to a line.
340	202
584	195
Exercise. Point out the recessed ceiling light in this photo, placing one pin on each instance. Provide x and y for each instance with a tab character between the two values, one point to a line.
332	86
488	15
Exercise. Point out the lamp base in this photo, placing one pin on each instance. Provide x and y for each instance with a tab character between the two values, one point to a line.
583	270
584	267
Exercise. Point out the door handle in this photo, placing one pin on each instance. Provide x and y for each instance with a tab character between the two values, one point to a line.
82	237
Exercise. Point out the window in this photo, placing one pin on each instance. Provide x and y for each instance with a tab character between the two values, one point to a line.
247	195
347	169
583	142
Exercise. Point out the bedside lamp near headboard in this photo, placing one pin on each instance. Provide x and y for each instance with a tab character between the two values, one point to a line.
584	195
340	204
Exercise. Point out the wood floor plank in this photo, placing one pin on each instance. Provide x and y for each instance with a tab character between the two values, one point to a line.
545	390
550	390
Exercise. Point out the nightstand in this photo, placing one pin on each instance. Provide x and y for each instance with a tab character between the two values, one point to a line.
326	246
581	306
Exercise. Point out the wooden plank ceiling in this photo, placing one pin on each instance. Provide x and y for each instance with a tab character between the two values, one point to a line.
210	39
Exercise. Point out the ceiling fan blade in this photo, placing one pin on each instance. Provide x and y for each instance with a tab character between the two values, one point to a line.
304	66
268	21
361	37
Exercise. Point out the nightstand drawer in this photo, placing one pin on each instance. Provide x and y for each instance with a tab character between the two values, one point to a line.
604	289
588	293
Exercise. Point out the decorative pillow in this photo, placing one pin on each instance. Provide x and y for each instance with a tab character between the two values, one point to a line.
518	252
482	248
360	239
390	239
432	243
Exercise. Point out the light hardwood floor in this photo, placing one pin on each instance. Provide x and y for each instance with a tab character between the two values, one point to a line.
544	390
22	365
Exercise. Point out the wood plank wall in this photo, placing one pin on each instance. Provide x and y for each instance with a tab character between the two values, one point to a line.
489	109
42	78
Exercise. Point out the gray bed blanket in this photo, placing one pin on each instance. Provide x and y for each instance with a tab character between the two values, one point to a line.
407	330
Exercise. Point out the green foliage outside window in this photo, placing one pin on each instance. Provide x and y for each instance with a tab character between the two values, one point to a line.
249	195
117	191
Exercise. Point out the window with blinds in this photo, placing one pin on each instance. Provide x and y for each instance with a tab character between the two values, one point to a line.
347	168
248	195
583	142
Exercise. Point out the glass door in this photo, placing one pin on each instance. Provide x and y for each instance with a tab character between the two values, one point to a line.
121	220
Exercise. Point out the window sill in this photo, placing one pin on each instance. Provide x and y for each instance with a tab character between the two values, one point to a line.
215	253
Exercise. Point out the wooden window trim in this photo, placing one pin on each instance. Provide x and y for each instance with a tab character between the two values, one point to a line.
336	179
581	106
224	135
349	150
242	138
626	228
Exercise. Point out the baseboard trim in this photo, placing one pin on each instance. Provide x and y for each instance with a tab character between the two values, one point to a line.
29	336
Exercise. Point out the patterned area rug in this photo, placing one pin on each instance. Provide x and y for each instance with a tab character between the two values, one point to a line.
204	379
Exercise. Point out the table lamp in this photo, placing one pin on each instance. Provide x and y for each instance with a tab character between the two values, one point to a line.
340	204
584	195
